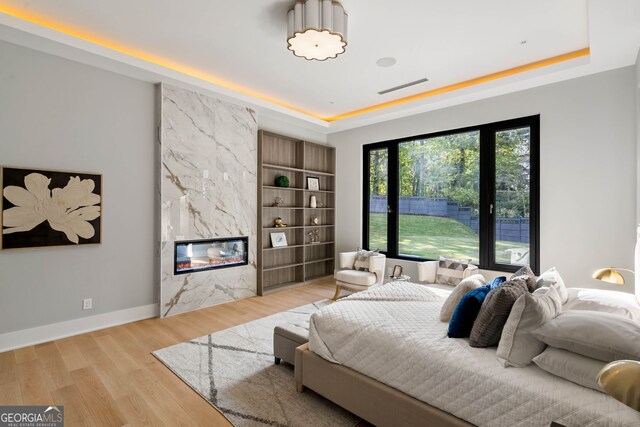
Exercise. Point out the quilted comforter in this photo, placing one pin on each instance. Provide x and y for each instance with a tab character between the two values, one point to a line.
392	333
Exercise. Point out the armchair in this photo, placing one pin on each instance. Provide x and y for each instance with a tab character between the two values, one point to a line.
355	280
427	271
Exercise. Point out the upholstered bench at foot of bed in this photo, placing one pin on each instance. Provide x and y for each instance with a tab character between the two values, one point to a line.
285	340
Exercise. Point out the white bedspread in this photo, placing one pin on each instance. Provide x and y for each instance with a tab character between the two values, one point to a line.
392	333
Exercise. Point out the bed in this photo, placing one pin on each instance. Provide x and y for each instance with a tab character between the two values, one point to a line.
384	355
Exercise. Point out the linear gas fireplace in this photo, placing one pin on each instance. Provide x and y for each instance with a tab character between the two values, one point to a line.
200	255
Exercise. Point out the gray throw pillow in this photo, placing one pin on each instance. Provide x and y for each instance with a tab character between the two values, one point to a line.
526	274
362	259
495	311
517	346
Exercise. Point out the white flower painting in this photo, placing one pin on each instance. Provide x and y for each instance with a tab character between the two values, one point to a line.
67	211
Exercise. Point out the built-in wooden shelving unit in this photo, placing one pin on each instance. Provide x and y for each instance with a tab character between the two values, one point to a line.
301	261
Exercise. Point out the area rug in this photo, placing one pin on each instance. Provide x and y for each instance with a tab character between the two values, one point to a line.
234	370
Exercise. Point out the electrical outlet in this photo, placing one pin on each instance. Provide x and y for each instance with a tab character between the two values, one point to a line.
87	304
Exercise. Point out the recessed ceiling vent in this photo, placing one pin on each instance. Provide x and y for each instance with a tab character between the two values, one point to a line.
393	89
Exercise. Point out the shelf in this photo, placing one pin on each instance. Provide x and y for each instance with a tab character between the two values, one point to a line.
313	261
319	209
310	172
284	228
280	267
283	207
319	244
283	247
283	168
320	191
273	187
318	226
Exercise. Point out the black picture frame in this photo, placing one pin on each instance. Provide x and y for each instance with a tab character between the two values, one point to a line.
313	181
47	208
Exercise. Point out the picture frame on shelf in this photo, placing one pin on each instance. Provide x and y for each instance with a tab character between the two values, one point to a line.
278	240
397	272
313	183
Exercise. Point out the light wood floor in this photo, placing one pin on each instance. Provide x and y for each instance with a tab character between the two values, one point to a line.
110	378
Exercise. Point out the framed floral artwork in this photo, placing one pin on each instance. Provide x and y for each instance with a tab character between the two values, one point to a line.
49	208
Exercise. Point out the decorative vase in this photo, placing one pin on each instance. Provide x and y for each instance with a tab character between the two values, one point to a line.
282	181
312	202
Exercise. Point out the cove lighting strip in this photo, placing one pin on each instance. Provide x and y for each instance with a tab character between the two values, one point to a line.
32	17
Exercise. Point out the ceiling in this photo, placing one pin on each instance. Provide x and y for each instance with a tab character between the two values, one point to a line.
241	46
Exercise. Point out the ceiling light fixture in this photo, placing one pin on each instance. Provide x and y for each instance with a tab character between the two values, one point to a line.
317	29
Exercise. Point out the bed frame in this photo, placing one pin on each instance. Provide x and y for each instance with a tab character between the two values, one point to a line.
367	398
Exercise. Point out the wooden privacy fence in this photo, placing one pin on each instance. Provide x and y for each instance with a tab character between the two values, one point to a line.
507	229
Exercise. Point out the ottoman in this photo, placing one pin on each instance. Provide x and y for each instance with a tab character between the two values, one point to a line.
286	338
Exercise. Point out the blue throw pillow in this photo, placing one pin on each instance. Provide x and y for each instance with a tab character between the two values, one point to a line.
468	308
496	282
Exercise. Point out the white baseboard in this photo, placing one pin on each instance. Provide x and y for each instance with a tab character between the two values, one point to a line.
54	331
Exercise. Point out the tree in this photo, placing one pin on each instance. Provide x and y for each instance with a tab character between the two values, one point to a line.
449	166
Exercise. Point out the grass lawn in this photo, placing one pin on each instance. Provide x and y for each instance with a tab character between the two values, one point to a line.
432	236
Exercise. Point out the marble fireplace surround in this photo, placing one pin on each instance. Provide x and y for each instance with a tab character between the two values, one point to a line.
208	189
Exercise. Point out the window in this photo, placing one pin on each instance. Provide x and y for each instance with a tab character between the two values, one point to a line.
379	202
469	193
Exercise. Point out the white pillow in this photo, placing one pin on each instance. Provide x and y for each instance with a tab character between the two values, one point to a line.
551	277
613	302
593	334
571	366
517	346
466	285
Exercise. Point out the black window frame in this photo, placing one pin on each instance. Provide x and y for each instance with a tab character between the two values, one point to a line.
487	179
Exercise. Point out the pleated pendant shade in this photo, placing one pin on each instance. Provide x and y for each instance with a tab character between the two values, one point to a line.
317	29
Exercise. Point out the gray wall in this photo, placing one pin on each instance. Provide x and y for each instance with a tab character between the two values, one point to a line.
58	114
588	152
